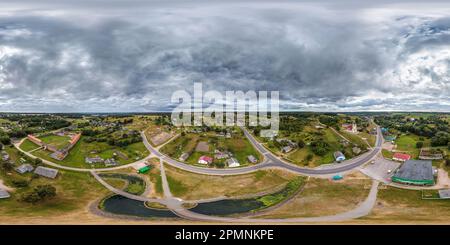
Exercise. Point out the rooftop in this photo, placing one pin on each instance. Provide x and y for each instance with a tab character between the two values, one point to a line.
402	156
46	172
4	194
419	171
444	194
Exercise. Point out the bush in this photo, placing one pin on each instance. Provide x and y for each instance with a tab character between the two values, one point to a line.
39	193
20	183
419	144
7	166
5	140
309	157
37	161
301	143
319	147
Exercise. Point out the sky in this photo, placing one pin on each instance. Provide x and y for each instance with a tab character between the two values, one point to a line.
131	56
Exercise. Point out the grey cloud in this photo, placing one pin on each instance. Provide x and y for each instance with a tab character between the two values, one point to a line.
315	57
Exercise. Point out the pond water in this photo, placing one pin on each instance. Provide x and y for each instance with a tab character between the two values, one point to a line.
227	207
121	205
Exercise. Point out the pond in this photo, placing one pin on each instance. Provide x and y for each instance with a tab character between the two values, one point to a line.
228	207
121	205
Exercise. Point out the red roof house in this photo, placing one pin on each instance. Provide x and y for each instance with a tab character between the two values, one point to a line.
205	160
401	157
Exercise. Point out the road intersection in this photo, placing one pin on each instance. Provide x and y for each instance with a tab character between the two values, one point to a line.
269	161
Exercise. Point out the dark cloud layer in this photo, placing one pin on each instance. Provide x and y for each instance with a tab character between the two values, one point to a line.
319	56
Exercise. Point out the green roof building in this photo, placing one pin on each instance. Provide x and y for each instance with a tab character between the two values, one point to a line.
415	172
144	169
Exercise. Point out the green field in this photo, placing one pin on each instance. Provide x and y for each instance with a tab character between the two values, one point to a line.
407	143
76	156
58	141
299	156
238	145
399	205
28	145
74	191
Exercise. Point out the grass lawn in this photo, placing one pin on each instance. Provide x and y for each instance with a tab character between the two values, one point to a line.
387	154
58	141
407	143
355	139
28	145
299	156
13	153
371	139
76	156
74	192
190	186
176	147
238	145
406	206
322	197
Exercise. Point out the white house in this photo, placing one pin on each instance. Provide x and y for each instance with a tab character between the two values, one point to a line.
233	162
339	156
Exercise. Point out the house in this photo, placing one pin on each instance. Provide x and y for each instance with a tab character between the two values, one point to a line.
144	169
35	140
289	145
252	159
75	139
286	149
356	150
205	160
415	172
184	156
350	127
92	160
339	156
4	194
444	194
24	168
233	162
401	157
46	172
59	154
221	155
111	162
5	156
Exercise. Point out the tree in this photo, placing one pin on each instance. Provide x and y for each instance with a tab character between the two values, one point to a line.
419	144
309	157
7	165
31	197
441	138
319	147
39	193
46	191
20	183
5	140
37	161
301	143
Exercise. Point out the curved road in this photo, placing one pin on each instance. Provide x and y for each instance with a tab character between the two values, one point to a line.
176	206
271	161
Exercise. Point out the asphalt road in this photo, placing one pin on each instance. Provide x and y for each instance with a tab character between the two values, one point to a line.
272	161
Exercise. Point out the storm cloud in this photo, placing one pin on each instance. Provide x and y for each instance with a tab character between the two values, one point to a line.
98	56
